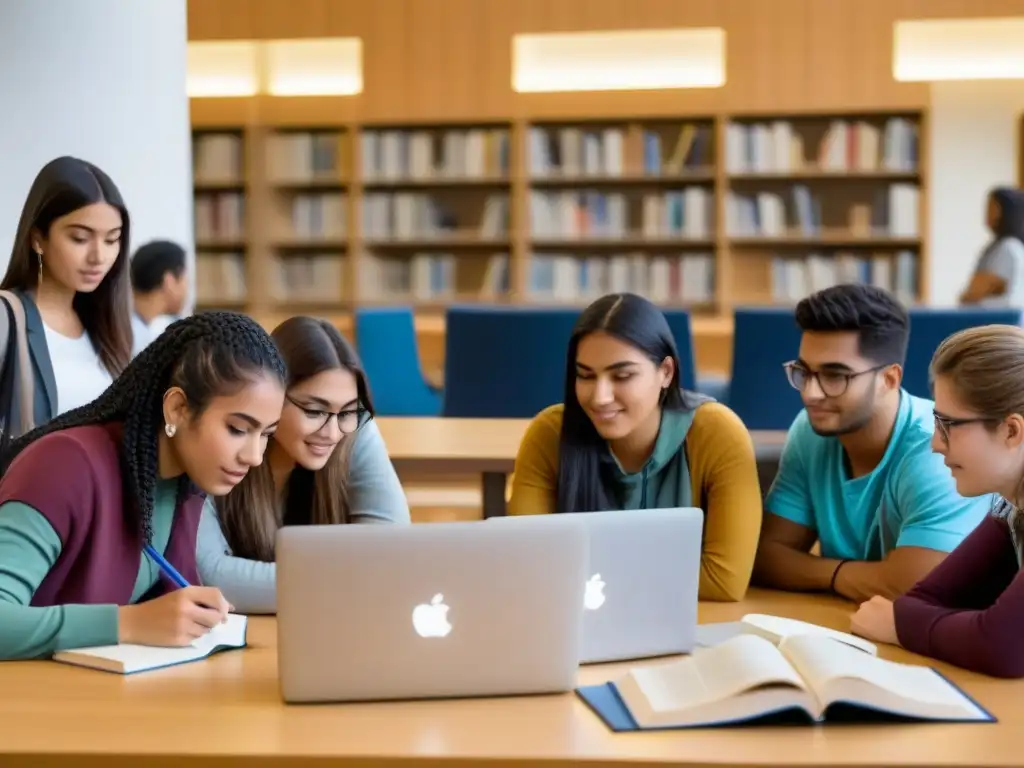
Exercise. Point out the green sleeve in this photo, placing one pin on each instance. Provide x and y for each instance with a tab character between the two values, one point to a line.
28	549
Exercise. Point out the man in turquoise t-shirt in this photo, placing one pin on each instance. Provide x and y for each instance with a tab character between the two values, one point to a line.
857	472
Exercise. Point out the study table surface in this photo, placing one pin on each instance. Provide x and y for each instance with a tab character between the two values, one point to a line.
487	447
226	712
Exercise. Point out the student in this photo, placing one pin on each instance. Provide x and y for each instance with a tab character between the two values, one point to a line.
857	473
998	279
159	288
326	464
969	611
83	494
69	269
627	437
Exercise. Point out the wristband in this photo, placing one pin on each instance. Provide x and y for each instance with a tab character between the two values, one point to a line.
832	584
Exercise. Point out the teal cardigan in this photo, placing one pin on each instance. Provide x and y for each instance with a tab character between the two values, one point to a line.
45	395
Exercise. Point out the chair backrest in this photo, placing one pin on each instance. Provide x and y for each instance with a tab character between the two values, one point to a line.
929	326
763	339
509	362
386	339
504	362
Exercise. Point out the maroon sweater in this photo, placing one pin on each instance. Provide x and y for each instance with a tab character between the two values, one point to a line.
73	478
969	611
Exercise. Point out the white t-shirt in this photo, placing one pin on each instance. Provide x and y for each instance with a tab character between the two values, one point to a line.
1006	260
80	376
144	334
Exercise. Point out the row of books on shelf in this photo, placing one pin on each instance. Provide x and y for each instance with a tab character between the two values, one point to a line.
313	278
614	151
319	216
688	213
220	277
794	278
860	145
893	213
392	155
413	215
434	277
300	156
687	278
219	216
217	158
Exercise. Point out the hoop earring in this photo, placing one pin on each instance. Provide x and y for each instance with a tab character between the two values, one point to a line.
170	429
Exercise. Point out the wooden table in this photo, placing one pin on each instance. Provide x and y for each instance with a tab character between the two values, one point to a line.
226	712
486	447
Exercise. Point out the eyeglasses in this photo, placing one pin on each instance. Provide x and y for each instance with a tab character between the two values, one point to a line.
350	420
832	383
944	423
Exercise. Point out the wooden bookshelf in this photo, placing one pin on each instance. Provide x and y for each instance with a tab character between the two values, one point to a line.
314	211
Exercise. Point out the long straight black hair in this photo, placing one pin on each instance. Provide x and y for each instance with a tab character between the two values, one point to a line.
63	186
639	323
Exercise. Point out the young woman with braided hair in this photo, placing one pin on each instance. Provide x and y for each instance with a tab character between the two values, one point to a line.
83	494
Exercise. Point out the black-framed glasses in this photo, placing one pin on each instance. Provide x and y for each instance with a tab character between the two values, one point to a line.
946	423
349	420
832	383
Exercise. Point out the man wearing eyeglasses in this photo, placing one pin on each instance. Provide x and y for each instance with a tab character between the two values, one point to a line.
857	472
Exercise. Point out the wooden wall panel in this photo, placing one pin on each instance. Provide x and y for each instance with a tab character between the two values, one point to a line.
438	60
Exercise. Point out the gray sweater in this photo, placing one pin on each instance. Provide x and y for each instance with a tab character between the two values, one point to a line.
375	496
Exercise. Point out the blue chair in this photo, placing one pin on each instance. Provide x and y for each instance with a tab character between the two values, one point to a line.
504	362
763	339
930	325
386	339
509	362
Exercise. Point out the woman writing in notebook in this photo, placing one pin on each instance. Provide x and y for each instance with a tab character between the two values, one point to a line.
85	494
969	611
326	464
627	437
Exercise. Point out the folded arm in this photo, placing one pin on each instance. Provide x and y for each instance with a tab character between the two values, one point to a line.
29	547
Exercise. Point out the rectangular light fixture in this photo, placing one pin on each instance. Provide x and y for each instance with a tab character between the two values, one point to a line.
222	68
619	60
958	49
314	67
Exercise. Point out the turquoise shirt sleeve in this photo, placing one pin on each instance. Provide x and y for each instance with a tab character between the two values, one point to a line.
249	585
29	547
790	493
374	490
932	514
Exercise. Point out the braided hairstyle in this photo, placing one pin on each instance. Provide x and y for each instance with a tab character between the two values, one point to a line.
207	355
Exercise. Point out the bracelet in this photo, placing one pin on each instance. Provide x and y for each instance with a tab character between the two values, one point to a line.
832	584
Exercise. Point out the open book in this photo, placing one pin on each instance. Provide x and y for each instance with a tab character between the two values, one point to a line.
775	629
126	658
806	678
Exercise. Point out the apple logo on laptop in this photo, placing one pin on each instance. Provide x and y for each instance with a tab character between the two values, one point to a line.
593	595
431	619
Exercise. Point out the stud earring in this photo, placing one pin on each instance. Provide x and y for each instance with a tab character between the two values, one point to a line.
170	429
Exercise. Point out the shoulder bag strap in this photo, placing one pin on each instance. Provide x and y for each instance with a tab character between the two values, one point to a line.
26	378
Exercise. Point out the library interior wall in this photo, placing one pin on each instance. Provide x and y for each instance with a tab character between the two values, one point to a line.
102	80
974	147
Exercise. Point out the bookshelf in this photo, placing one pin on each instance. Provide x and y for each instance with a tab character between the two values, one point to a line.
705	211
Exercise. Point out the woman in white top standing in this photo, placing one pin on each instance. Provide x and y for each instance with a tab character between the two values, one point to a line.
998	279
69	269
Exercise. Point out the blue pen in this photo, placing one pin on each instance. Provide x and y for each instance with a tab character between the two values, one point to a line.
169	570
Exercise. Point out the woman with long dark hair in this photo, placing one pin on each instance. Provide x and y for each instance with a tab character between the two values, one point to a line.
628	437
326	465
69	269
82	495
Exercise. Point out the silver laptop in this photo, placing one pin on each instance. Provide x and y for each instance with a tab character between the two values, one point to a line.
370	612
640	596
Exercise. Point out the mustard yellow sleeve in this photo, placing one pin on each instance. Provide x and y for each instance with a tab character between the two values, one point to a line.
535	481
724	476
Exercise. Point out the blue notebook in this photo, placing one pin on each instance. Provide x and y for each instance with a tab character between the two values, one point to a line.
758	683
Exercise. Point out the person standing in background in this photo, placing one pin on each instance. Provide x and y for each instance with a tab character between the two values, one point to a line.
69	269
998	279
159	289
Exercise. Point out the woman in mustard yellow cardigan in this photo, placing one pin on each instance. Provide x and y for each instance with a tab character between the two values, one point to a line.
628	437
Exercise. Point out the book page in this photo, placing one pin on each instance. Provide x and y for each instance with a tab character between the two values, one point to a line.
777	628
828	665
714	674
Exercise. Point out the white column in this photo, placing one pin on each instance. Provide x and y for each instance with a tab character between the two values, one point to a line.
974	146
103	80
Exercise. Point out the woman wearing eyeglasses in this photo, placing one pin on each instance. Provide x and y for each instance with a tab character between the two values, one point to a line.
326	464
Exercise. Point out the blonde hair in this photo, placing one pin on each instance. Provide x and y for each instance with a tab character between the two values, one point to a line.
985	366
